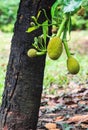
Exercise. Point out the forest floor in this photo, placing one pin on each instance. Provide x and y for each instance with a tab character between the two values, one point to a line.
64	103
67	111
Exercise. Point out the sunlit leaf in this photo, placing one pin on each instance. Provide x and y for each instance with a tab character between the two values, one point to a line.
30	29
71	5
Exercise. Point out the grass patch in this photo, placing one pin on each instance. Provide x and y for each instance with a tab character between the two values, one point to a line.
5	39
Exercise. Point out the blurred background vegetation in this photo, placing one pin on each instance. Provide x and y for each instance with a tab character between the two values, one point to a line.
8	10
56	74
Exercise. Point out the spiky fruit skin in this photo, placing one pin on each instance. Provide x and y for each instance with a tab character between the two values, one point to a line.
32	53
73	65
54	48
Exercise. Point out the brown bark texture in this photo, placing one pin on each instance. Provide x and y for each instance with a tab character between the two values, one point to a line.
24	77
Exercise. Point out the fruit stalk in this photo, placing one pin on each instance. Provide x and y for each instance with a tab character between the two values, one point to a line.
62	26
65	40
66	48
41	53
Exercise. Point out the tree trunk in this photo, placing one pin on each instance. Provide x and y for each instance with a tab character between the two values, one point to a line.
24	78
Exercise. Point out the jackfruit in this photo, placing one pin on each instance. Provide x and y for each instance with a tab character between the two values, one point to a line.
54	48
73	65
32	52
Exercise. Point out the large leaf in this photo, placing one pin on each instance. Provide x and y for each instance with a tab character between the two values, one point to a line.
71	5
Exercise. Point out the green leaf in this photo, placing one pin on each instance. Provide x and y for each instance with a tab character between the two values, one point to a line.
35	19
71	5
39	14
53	8
30	29
45	29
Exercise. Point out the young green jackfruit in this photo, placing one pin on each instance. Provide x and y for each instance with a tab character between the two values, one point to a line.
73	65
32	52
54	48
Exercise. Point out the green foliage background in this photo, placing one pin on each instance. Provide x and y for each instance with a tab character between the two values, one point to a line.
8	10
81	22
78	22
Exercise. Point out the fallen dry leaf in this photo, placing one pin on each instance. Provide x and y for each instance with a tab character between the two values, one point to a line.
73	106
50	126
82	102
55	129
59	118
84	126
78	118
51	103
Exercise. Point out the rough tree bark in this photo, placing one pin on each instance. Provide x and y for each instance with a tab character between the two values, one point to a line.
24	78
